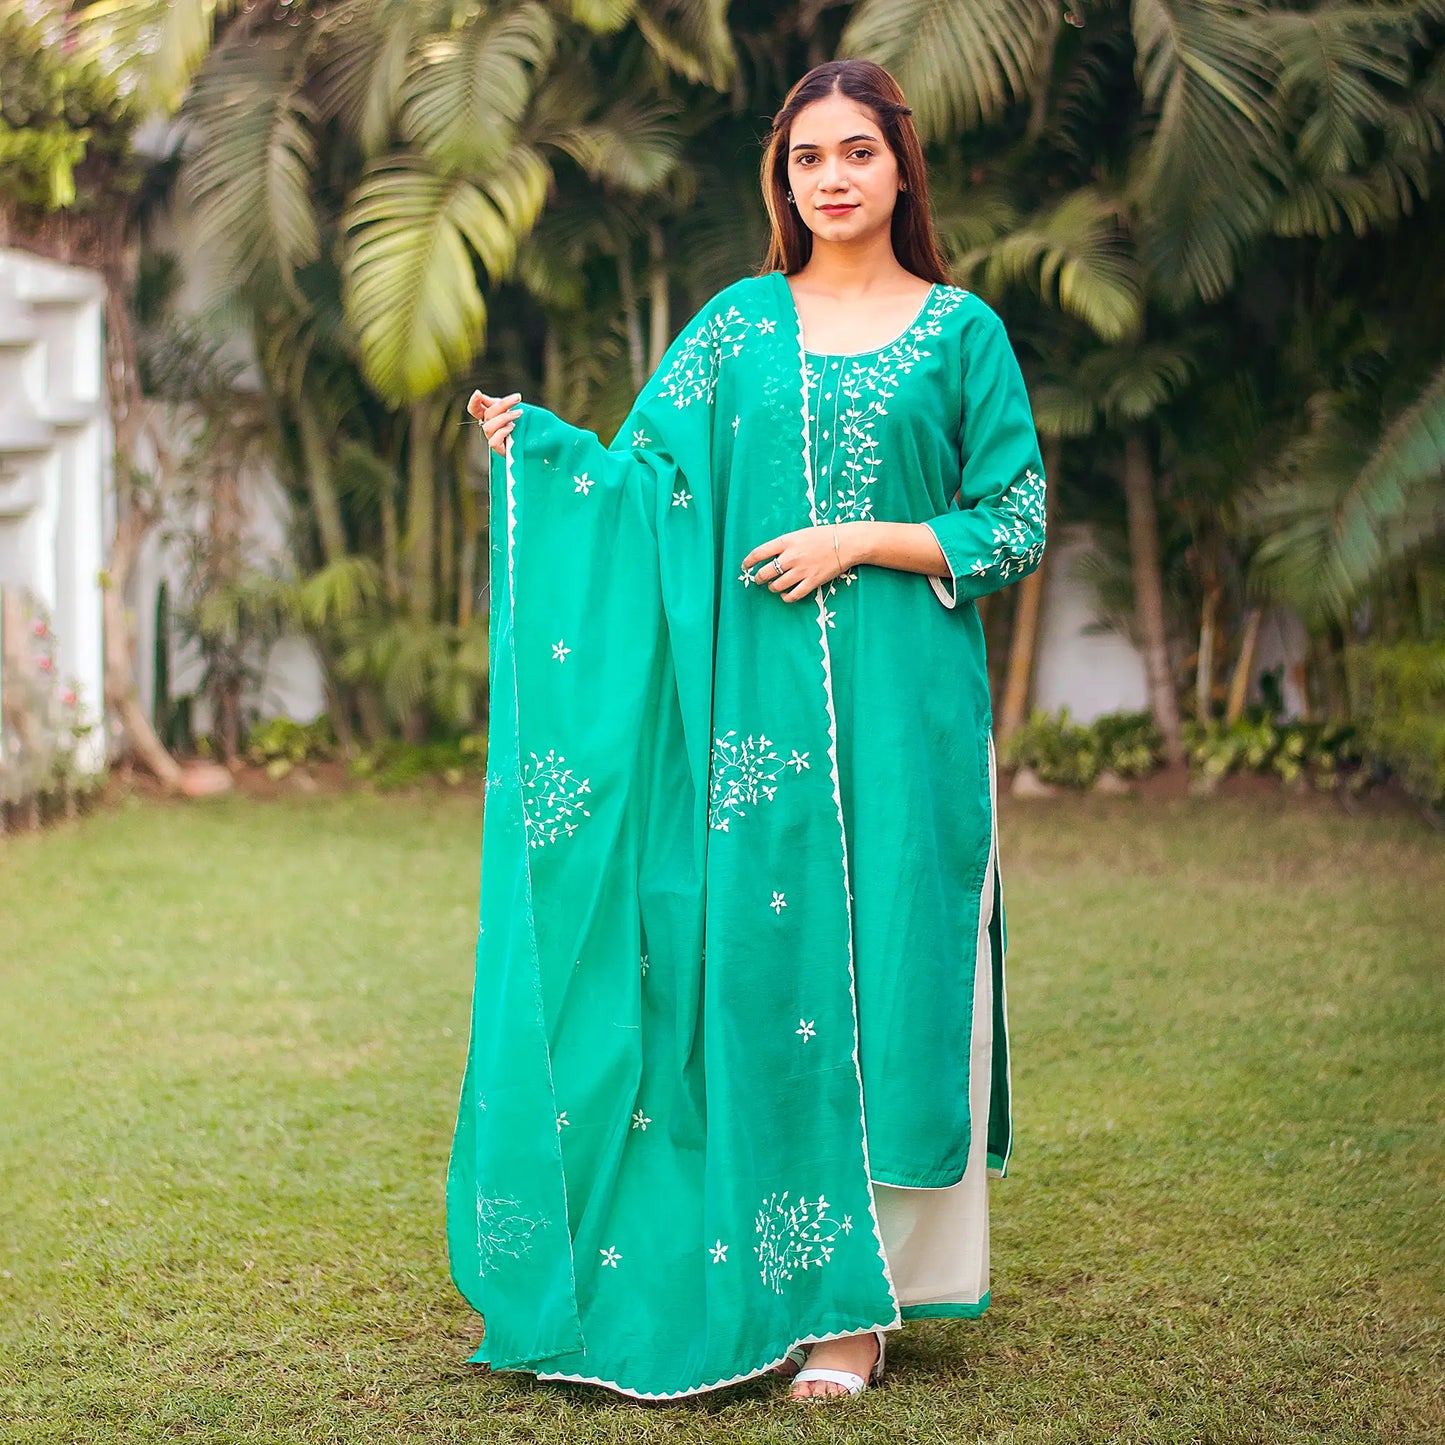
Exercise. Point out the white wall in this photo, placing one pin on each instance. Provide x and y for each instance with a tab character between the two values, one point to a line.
55	458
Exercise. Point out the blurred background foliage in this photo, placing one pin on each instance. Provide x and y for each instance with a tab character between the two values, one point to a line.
1214	230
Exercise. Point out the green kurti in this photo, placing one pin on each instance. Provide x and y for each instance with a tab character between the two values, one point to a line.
737	851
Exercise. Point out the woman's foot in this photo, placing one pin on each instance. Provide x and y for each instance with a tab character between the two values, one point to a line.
854	1353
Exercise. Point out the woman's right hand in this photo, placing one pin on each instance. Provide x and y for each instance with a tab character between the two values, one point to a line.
498	415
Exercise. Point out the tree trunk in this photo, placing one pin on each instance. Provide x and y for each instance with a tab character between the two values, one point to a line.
1204	672
135	520
119	672
471	522
446	542
659	316
420	544
628	287
1243	667
320	484
1148	567
552	368
1023	643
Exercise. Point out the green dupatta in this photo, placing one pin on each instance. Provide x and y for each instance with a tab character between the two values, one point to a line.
660	1175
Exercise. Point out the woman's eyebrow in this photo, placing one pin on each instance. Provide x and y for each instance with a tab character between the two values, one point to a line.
807	145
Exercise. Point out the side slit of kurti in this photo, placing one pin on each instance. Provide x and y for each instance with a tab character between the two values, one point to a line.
937	1239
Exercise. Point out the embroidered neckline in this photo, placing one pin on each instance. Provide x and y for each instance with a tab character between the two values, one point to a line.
903	335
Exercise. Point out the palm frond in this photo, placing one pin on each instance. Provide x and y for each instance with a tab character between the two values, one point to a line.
162	41
960	63
1130	383
364	53
691	37
1077	255
410	283
1213	165
1062	412
602	17
633	144
466	89
338	592
249	174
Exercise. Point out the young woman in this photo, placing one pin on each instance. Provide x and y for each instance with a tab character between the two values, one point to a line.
739	1066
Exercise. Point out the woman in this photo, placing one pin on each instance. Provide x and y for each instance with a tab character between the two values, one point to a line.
739	892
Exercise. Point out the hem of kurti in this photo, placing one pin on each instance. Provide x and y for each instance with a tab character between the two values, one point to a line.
929	1179
998	1165
893	1324
962	1311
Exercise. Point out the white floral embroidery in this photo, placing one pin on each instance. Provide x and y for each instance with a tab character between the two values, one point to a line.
747	578
681	497
1018	536
609	1256
744	773
583	484
805	1029
779	903
640	1121
502	1232
639	438
865	385
563	1122
645	965
560	650
694	371
551	799
719	1252
767	325
795	1237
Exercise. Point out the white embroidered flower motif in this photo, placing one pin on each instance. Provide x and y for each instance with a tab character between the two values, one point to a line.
1018	537
793	1237
798	761
719	1252
552	795
609	1256
779	903
560	650
805	1029
681	497
747	578
767	326
639	438
744	772
645	965
563	1122
694	371
640	1121
503	1232
583	484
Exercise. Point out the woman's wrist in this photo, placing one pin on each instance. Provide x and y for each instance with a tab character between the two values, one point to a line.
856	543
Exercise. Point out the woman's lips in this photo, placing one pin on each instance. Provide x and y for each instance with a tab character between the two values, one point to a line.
837	210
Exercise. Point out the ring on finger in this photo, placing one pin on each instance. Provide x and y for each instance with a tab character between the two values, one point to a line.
778	568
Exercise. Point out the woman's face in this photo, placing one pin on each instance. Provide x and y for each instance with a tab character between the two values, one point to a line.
844	179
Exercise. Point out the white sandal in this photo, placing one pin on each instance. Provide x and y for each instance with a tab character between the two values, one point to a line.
853	1384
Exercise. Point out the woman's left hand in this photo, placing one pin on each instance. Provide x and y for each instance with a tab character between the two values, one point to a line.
807	558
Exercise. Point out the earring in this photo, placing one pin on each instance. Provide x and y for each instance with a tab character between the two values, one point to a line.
790	196
902	185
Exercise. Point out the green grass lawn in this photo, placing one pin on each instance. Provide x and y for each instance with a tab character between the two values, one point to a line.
231	1038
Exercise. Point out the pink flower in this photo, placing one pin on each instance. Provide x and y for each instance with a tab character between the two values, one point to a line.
68	698
44	664
40	628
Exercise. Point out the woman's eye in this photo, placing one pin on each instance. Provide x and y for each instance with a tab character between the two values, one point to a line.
865	153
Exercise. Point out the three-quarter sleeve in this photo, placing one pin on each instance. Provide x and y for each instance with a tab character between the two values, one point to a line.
993	533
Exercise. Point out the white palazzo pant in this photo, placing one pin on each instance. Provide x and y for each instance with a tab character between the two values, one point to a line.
936	1240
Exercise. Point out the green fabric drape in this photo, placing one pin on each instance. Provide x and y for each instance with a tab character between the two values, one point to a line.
660	1178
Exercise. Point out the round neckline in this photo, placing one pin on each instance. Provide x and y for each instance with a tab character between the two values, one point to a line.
870	351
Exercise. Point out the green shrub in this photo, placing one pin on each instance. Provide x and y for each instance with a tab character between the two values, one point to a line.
397	764
1290	749
1400	688
282	744
1072	755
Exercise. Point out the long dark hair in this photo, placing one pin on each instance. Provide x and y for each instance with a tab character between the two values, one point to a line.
915	242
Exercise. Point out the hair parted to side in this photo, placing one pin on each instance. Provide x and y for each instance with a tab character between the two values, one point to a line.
915	242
